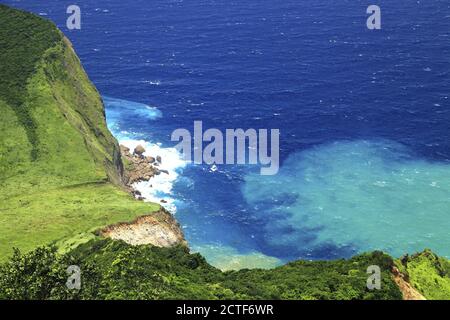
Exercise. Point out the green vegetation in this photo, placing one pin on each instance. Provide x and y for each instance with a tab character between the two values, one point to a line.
31	220
428	273
23	40
127	164
60	180
59	165
114	270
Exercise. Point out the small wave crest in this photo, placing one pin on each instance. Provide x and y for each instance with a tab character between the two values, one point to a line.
118	109
159	188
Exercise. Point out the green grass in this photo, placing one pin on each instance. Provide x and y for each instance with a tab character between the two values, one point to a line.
127	164
59	165
429	274
74	143
27	221
23	39
60	181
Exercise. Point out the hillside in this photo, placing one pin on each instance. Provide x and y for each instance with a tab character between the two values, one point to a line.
60	167
112	269
115	270
61	189
428	273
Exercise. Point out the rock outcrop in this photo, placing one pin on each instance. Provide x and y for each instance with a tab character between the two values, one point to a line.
408	291
139	150
139	167
159	229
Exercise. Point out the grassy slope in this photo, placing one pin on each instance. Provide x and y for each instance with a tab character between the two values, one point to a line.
59	167
59	180
428	273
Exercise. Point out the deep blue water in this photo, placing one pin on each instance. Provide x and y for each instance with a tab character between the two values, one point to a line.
364	116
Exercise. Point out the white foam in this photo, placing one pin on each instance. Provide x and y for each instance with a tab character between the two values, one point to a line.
115	107
160	186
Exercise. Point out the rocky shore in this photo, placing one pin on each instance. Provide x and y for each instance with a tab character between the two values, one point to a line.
138	167
159	228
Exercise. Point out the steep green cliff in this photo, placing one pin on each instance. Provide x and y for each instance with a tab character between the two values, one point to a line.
60	180
60	167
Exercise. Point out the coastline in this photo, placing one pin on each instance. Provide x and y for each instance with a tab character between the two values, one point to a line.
159	228
149	173
149	184
149	179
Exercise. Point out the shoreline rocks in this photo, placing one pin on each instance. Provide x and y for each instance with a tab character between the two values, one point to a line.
139	151
159	228
138	167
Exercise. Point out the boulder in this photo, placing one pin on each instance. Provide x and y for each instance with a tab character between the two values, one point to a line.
158	158
139	150
150	159
124	150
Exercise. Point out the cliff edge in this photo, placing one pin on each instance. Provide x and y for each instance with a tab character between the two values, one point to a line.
60	167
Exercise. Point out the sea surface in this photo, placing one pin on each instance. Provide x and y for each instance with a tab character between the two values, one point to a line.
364	118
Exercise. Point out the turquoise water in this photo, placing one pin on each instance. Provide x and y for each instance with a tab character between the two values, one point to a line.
363	116
355	196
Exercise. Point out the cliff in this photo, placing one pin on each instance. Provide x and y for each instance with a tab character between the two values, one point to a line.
61	183
158	229
60	167
427	273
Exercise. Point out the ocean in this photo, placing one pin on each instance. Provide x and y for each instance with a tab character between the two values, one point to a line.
363	116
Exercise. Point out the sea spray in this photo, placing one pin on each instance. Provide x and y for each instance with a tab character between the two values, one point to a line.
116	108
160	186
